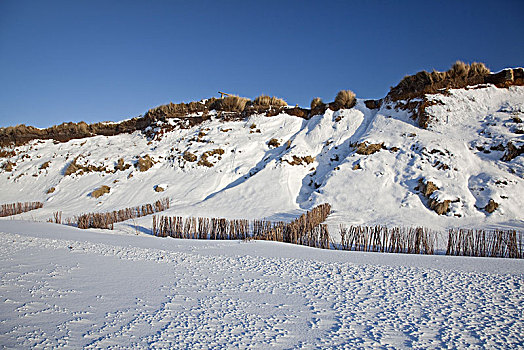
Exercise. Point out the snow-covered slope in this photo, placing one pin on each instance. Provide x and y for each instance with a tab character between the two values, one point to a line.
316	161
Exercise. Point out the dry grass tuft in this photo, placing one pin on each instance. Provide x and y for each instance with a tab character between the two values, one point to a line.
51	190
344	99
99	192
231	104
267	101
18	208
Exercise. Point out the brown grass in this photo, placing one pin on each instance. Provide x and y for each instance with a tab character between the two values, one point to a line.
459	75
107	220
99	192
231	104
344	99
267	101
51	190
18	208
306	160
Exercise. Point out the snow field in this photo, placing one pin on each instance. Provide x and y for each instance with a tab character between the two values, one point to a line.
71	288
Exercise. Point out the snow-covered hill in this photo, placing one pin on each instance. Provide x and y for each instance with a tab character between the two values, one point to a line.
371	165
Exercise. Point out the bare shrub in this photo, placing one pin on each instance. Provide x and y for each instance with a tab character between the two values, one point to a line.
344	99
107	220
18	208
99	192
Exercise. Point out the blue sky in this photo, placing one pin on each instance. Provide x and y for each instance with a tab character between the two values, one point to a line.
109	60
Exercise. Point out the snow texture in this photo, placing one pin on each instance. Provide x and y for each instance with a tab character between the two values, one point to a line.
64	287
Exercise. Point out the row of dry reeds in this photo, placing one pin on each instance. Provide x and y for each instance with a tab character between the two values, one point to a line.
18	208
417	240
305	230
107	220
497	243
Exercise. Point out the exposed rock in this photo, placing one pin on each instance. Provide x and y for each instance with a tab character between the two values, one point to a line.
491	206
51	190
273	143
373	104
512	152
159	189
440	208
427	188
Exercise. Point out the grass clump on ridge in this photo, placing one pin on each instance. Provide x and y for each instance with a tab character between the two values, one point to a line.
231	104
459	75
267	101
344	99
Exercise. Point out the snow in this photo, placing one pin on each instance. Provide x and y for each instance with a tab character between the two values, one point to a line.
64	287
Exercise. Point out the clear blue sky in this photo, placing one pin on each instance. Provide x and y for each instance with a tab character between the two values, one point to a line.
94	60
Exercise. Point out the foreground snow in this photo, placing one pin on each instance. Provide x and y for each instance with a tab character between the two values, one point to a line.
66	287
